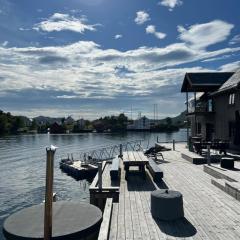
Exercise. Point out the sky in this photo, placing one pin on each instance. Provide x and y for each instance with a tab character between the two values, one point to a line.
91	58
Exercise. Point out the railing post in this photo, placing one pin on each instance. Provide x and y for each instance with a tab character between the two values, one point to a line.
173	142
49	193
121	151
100	175
208	155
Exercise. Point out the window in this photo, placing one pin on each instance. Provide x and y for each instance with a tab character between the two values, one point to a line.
231	100
210	105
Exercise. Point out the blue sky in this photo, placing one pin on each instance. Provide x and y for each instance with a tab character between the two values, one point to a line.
100	57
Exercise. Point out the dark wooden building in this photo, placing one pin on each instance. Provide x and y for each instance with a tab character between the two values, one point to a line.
213	111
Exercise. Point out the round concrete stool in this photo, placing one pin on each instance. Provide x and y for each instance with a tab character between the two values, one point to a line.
167	204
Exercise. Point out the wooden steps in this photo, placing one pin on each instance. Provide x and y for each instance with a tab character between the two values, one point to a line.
192	157
217	172
222	181
231	188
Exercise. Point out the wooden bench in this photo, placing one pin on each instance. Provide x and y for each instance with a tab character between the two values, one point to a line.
155	171
115	169
109	189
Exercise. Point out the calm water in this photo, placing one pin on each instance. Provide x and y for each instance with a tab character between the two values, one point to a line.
23	158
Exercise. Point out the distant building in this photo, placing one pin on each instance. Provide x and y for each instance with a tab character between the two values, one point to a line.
69	120
214	111
142	123
81	123
41	120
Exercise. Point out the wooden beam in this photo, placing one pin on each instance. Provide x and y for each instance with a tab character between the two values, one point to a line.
104	229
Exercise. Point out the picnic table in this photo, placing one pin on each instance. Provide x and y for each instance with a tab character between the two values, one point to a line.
134	158
220	145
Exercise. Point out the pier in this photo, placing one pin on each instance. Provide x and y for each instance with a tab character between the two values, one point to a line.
210	213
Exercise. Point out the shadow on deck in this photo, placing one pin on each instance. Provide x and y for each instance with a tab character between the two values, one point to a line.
178	228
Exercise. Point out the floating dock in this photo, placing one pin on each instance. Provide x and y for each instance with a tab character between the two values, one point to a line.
78	169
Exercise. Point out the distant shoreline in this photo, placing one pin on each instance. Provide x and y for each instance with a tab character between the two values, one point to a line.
89	131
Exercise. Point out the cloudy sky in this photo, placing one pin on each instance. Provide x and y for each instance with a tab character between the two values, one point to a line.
90	58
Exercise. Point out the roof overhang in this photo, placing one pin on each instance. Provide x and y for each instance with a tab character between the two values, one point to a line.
190	86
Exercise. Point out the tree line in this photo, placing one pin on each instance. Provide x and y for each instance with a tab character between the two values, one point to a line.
10	124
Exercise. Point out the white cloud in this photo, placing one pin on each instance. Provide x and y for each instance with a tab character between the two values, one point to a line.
141	17
5	43
171	4
230	67
206	34
152	30
84	71
217	58
67	96
60	22
235	40
118	36
25	29
78	68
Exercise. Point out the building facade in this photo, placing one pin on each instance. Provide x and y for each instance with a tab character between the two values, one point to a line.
213	112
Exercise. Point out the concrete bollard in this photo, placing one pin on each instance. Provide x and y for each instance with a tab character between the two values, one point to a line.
100	175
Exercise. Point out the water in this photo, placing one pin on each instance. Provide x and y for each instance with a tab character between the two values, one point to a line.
23	159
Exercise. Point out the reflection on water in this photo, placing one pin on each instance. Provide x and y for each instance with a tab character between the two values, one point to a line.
22	160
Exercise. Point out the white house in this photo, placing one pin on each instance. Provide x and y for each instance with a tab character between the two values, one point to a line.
142	123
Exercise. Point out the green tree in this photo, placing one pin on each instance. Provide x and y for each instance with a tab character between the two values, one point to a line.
168	121
3	124
17	123
34	125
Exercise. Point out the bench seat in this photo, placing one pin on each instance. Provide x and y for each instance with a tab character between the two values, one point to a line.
115	169
155	170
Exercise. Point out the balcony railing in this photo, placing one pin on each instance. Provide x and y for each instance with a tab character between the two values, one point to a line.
201	108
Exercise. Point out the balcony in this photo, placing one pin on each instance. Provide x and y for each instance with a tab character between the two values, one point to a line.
201	108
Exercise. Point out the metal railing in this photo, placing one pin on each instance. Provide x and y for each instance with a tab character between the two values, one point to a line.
107	152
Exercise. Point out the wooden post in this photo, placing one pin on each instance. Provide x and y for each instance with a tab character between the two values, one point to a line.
195	115
188	144
173	142
121	151
100	175
208	155
49	193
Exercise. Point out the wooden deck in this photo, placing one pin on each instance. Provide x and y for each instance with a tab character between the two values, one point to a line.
209	212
